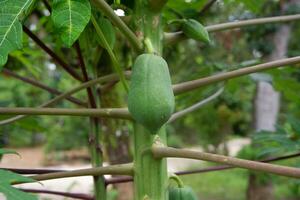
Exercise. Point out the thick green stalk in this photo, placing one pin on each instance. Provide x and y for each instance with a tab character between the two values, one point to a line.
151	176
96	159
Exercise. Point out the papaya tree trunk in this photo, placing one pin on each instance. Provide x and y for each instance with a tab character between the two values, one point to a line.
150	175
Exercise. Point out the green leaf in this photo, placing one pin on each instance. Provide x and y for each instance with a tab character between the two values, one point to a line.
11	193
11	12
115	62
108	32
193	29
70	18
8	151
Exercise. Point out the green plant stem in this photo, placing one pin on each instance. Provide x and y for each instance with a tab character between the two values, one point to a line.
38	84
121	113
122	169
150	174
164	152
109	12
178	36
194	84
243	23
196	106
177	180
94	133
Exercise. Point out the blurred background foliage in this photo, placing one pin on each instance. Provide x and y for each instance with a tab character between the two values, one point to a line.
229	116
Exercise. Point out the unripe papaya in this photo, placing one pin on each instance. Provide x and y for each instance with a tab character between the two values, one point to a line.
151	99
182	193
195	30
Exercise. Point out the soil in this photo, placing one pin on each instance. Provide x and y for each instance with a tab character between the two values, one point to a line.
78	159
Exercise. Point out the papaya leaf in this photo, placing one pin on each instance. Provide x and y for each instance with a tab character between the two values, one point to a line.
115	62
8	151
11	193
108	32
11	12
70	18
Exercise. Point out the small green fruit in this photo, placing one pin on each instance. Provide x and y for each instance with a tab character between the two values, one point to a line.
151	100
193	29
182	193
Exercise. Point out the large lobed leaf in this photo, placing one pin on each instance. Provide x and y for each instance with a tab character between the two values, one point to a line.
11	12
11	193
70	18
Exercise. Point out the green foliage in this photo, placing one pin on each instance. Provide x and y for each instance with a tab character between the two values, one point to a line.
11	13
151	99
11	193
285	139
108	32
70	18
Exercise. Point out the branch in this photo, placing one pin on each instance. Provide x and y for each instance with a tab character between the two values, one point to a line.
195	106
178	36
225	167
207	6
121	113
85	75
42	86
243	23
32	171
125	179
177	88
191	85
64	65
109	12
103	79
66	194
162	152
122	169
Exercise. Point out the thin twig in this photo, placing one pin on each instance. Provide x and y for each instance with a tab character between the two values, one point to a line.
66	194
206	7
32	171
85	75
55	57
163	152
171	38
194	84
42	86
196	106
250	22
122	169
124	29
121	113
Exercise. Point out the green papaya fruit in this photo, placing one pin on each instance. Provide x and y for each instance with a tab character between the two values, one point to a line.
193	29
151	99
182	193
